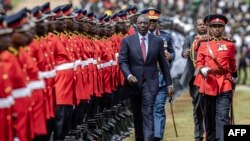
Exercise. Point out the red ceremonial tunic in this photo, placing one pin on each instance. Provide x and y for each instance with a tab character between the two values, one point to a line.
37	62
64	70
22	118
6	102
224	53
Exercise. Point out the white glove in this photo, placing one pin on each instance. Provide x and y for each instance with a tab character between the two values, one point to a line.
204	71
234	79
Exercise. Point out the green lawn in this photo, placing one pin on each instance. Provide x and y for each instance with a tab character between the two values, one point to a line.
14	2
248	77
184	119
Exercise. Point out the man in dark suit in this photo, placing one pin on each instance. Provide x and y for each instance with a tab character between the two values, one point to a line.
138	59
189	74
159	108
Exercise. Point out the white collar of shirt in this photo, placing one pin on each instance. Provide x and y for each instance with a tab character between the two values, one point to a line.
145	40
140	36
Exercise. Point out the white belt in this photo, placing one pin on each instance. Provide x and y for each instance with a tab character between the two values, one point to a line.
94	61
78	62
114	63
47	74
21	92
6	102
84	63
64	66
34	85
107	64
91	60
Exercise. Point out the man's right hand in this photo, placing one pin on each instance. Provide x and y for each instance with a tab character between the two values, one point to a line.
186	53
132	80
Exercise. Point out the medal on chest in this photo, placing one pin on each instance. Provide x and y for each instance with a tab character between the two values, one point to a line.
222	47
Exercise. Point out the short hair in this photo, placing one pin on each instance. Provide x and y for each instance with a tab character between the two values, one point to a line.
143	15
198	18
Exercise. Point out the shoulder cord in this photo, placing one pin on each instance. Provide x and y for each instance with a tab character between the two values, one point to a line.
192	56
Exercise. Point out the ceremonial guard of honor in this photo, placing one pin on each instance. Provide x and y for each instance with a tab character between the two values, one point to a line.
59	68
60	74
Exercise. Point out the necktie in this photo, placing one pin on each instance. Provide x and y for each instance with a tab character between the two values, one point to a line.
143	48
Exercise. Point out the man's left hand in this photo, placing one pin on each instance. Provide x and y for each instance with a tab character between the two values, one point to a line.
168	55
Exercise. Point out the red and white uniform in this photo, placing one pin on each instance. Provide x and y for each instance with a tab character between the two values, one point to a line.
224	52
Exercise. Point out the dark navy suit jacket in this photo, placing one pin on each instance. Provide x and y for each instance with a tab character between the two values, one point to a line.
131	62
189	69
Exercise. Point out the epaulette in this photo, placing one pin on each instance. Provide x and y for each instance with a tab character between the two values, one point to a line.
104	37
97	37
228	39
76	32
71	33
66	33
56	33
84	33
37	37
13	50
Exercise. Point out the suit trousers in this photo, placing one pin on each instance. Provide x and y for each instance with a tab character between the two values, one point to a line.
159	112
143	108
197	111
216	114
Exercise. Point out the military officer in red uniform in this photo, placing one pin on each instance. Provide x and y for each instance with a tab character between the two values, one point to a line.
217	67
6	100
132	15
64	66
24	123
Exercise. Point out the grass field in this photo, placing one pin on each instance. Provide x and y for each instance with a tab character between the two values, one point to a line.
184	119
248	77
14	2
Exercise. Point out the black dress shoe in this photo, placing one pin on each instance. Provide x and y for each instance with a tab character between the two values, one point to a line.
157	139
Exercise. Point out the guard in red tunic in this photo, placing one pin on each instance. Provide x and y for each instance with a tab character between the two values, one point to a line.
47	71
24	123
64	66
218	74
6	100
132	15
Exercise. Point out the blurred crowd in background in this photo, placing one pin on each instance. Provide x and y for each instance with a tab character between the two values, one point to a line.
179	16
